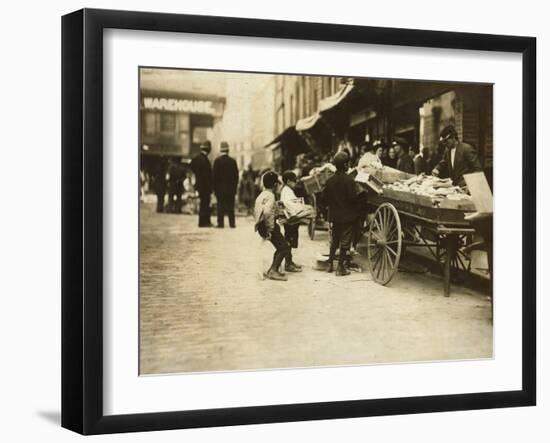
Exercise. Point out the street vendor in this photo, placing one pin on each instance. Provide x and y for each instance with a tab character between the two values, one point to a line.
458	159
340	195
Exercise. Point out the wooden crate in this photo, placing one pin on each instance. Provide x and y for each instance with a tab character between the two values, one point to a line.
316	183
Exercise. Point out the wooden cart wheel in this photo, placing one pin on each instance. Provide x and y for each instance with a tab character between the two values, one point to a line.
384	243
313	221
460	257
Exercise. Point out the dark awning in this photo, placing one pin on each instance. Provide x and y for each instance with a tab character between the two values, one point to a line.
290	141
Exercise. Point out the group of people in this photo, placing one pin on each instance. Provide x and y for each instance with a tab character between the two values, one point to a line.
344	199
169	176
404	157
221	178
266	213
399	155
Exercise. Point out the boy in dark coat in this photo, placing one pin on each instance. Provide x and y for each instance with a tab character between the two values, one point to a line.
340	195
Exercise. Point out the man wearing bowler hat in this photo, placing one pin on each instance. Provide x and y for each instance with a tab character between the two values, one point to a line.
202	169
226	179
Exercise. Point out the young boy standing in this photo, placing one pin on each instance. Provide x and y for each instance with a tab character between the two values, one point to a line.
293	205
341	197
265	212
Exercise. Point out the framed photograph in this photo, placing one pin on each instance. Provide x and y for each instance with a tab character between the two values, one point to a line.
269	221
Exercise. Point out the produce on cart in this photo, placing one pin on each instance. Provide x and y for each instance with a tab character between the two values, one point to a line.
414	210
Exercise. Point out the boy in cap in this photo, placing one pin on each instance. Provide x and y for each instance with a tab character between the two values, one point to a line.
265	212
290	201
340	194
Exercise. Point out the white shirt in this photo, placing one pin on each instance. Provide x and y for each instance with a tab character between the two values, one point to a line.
292	203
453	152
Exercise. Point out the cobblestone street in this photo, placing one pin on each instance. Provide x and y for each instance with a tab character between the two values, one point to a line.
205	307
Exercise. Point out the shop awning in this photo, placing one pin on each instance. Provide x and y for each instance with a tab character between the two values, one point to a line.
308	122
333	101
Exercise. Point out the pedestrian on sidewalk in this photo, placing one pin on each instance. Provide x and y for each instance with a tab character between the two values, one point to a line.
247	191
226	179
293	205
202	169
265	214
340	194
159	182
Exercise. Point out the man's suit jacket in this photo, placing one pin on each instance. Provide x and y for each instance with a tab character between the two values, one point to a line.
465	162
225	176
202	169
405	163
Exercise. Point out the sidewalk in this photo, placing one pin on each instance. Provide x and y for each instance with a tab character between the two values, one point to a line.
205	307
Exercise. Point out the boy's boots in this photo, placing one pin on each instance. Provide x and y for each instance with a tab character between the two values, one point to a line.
342	269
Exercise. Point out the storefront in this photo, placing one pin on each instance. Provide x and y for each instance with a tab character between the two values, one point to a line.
175	124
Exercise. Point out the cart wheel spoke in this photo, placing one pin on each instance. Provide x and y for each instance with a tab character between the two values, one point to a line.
382	257
379	257
377	225
392	251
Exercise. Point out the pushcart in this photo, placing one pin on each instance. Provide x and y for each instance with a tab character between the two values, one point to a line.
400	220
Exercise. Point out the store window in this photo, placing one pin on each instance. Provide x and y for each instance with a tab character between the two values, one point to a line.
149	124
167	122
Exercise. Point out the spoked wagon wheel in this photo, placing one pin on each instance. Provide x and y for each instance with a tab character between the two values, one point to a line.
460	257
384	243
313	220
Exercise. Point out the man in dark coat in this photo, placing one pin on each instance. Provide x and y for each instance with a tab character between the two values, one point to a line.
459	158
202	169
340	194
404	161
226	179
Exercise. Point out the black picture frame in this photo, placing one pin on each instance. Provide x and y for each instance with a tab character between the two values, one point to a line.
82	220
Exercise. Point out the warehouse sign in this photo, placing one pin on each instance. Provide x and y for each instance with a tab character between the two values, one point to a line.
180	105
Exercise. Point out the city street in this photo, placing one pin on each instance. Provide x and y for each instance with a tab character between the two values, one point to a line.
205	307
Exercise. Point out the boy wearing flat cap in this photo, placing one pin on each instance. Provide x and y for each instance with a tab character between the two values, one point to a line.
265	214
341	196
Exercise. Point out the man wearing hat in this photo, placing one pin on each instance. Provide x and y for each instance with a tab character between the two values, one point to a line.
202	169
459	158
226	179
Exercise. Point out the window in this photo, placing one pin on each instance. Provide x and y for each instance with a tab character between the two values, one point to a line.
149	124
167	122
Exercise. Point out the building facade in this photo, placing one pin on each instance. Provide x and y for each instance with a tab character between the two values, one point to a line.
178	110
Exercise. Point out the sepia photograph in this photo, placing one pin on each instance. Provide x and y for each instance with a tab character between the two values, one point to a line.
305	221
